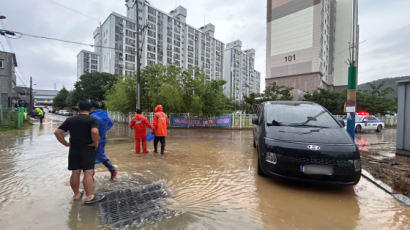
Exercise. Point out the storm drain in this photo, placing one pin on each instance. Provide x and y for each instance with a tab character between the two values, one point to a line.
135	207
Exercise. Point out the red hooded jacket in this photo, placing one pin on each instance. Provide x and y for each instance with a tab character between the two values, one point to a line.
138	122
160	122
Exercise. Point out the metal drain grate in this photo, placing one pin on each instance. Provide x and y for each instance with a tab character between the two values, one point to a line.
135	207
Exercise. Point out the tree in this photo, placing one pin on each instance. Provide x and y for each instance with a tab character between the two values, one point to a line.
253	102
169	97
70	100
273	92
376	100
177	90
122	96
332	100
93	86
59	100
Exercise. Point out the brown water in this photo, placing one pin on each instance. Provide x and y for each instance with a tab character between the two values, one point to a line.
211	174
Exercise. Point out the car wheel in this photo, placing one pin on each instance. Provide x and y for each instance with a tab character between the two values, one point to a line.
379	128
358	129
260	172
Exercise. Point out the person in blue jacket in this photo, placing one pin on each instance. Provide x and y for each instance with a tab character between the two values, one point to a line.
104	124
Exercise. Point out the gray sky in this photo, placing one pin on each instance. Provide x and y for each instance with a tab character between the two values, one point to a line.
384	25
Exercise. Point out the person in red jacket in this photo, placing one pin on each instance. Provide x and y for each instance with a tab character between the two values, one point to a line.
160	124
138	122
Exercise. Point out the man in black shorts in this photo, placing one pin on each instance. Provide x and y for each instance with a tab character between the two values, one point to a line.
84	139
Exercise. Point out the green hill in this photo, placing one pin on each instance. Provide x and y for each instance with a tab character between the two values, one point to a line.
388	82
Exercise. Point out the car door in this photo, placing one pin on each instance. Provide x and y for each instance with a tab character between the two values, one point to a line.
372	125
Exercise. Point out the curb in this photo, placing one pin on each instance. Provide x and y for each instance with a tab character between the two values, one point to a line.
400	197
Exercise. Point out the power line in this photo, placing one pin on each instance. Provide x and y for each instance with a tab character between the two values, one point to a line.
18	75
74	10
10	33
1	44
7	40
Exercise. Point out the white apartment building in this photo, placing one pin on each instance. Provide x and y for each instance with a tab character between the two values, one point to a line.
166	39
307	43
239	72
87	62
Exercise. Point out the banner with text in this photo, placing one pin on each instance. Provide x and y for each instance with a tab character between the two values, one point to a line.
222	121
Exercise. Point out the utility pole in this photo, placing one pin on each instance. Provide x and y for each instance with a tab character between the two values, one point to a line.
352	75
31	95
138	106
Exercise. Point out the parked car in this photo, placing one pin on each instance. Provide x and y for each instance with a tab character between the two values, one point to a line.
64	112
366	122
303	141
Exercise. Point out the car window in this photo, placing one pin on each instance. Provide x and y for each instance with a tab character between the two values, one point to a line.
299	114
370	118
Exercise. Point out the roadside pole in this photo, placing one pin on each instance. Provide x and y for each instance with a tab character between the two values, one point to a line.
352	76
138	56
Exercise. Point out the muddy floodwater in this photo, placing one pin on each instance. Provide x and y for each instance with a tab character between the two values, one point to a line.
210	173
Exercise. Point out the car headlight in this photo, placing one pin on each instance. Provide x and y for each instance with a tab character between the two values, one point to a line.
271	158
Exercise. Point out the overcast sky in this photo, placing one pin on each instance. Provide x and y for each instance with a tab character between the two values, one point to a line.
384	25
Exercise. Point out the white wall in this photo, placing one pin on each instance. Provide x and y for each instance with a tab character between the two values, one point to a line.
343	36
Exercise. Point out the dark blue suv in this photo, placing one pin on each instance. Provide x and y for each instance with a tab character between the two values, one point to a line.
303	141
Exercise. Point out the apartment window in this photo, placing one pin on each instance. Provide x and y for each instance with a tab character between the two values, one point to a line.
151	33
1	63
151	41
151	10
151	18
151	48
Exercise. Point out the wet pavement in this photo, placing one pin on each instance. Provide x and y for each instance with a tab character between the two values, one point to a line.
378	152
211	175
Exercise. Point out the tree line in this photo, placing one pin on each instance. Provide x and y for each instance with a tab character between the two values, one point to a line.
188	91
375	101
179	91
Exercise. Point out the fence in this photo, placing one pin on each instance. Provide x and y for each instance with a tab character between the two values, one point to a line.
234	121
187	120
11	118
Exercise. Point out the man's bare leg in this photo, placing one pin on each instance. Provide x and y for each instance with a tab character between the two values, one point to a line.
75	183
88	183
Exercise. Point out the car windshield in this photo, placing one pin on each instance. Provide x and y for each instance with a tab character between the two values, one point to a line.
309	115
358	118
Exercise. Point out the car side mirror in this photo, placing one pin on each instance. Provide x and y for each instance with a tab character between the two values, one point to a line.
342	122
255	120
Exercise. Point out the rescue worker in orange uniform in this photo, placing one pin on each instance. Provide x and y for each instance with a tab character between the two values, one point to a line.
160	124
138	122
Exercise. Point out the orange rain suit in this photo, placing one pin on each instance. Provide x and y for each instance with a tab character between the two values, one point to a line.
160	122
138	122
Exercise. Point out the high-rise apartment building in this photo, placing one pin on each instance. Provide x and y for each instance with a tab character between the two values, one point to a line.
239	71
307	43
165	38
87	62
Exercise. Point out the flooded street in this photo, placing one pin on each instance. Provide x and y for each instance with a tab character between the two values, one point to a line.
378	153
210	173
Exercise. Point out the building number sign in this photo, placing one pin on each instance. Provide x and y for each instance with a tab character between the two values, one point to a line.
290	58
